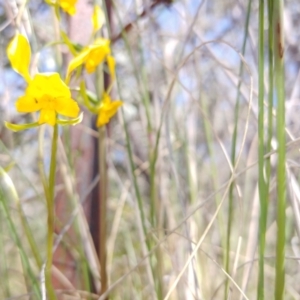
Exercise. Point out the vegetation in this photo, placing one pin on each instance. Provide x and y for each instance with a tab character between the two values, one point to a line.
149	150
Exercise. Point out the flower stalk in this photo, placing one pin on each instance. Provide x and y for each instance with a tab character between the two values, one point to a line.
51	216
103	208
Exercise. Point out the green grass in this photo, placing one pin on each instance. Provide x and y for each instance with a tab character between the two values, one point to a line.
191	174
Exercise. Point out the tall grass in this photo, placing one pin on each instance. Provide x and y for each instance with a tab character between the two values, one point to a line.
191	175
262	186
280	131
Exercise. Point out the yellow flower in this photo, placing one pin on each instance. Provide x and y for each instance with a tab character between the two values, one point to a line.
18	52
48	94
91	56
107	110
66	5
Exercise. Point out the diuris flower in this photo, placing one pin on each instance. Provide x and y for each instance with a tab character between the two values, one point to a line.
66	5
92	56
107	110
48	94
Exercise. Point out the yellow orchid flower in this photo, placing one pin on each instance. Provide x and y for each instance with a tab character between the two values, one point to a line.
91	56
107	110
18	53
48	94
98	18
69	6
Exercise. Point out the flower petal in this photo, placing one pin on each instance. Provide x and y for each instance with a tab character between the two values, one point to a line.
97	54
27	104
18	52
48	84
77	61
19	127
54	85
98	18
102	119
47	116
95	58
113	108
68	6
68	107
111	63
107	111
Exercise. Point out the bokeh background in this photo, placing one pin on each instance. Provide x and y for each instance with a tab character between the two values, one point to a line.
180	67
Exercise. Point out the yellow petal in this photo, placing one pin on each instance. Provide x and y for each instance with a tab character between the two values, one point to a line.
68	107
48	84
96	57
98	18
97	54
68	6
111	66
77	61
100	42
53	85
27	104
18	52
47	116
113	108
107	110
102	119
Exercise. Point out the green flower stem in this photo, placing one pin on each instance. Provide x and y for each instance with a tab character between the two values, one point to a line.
102	207
281	175
50	208
261	160
271	92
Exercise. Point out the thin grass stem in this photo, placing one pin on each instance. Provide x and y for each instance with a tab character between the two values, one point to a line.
280	128
103	208
233	153
261	151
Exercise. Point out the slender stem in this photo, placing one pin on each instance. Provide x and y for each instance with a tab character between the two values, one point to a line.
155	211
261	150
233	153
271	91
50	207
102	207
281	176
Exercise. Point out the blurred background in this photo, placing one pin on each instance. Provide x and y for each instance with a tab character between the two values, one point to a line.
181	70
